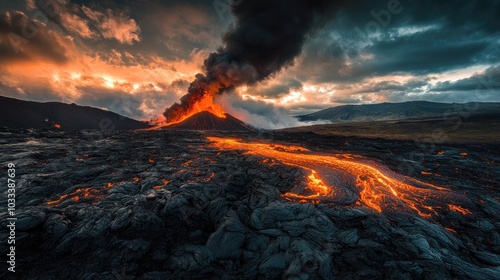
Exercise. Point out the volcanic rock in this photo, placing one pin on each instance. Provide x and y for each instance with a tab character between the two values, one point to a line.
29	222
220	214
208	121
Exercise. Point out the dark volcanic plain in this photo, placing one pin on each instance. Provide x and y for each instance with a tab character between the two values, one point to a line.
169	205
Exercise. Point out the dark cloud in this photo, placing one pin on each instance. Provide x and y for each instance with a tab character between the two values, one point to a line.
266	38
415	56
281	89
267	41
25	39
425	37
420	55
488	80
179	84
170	29
394	86
473	17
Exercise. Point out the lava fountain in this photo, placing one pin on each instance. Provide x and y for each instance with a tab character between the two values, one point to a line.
347	179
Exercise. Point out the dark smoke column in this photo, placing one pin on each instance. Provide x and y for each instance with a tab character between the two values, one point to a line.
267	36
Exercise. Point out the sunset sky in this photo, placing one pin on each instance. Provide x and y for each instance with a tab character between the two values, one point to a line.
138	57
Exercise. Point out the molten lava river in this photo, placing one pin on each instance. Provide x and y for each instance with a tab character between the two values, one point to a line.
350	179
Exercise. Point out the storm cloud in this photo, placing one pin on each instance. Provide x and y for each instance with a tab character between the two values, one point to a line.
25	39
293	57
266	37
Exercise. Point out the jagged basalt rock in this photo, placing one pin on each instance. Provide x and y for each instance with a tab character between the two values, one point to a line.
167	205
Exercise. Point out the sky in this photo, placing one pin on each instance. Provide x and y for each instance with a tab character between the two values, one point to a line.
137	58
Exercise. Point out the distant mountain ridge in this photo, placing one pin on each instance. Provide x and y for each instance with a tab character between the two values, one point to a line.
399	111
17	113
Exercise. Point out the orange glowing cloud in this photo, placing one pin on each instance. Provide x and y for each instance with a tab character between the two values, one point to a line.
54	66
77	25
115	25
183	22
91	78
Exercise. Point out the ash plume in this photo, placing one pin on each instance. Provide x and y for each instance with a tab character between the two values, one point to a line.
267	36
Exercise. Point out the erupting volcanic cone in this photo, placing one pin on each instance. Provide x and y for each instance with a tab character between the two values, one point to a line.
207	121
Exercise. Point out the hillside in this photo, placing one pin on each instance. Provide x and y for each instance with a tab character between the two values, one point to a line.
17	113
475	129
398	111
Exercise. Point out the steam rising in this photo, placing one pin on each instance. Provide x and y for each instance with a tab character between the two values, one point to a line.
267	36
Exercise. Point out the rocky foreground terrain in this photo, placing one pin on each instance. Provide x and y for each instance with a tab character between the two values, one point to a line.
171	205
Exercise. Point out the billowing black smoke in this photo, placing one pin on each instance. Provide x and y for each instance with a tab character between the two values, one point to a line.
267	36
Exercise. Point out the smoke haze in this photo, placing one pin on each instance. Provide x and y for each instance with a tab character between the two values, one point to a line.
266	37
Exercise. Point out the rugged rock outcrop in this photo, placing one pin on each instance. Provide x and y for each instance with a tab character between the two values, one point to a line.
167	205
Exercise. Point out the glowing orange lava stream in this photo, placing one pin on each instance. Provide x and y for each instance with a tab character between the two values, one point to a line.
344	179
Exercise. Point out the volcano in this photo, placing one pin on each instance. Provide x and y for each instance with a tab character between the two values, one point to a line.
207	121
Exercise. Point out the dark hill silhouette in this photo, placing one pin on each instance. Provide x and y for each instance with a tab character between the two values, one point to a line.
208	121
17	113
398	111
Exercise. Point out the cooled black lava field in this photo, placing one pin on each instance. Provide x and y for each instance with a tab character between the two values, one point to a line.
192	205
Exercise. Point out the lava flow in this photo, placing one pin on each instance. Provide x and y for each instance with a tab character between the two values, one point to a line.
342	179
82	194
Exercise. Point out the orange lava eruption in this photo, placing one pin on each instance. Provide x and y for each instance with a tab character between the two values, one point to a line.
347	179
206	103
